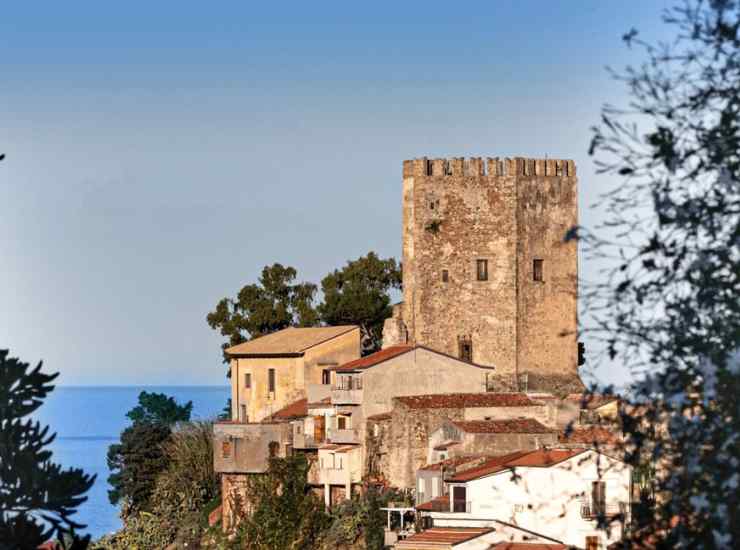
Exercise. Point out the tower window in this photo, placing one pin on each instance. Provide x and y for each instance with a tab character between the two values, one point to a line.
482	270
537	270
271	380
445	276
465	348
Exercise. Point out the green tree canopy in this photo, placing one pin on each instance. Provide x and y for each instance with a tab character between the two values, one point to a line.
138	459
37	497
157	408
274	303
359	294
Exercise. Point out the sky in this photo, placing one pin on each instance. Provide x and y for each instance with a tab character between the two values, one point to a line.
159	154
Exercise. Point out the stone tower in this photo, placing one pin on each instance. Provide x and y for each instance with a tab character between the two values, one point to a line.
487	274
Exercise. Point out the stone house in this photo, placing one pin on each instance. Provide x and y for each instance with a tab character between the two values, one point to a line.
397	443
559	493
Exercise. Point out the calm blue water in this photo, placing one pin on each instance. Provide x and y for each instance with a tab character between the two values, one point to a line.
89	419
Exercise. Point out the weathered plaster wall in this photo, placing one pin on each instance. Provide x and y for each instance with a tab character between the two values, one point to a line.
244	448
292	375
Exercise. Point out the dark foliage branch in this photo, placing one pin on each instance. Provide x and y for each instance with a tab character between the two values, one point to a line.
37	496
670	308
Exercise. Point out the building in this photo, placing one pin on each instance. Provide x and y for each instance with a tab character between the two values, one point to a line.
558	493
488	275
273	371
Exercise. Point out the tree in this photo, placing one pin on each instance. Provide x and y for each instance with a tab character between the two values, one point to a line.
285	514
139	458
157	408
359	294
37	497
274	303
374	525
670	308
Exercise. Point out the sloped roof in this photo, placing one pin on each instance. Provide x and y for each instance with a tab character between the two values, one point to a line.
527	546
297	409
541	458
462	400
454	462
591	400
590	435
373	359
511	426
291	341
443	536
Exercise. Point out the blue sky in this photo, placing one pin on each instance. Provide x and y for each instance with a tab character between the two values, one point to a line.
159	154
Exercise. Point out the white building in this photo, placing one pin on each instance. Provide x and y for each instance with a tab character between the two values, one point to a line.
558	493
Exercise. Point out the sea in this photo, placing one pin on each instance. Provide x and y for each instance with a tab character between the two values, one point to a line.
88	419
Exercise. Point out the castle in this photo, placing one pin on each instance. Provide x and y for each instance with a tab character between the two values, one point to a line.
479	360
487	273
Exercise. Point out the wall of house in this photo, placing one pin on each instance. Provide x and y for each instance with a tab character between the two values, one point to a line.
419	372
508	212
548	500
429	485
501	443
245	448
292	375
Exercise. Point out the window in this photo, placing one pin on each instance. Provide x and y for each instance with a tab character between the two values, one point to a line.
481	270
465	348
598	497
341	423
537	270
325	377
445	275
459	499
248	380
225	449
243	413
273	449
271	380
592	543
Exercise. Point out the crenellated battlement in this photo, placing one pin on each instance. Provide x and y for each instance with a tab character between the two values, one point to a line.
477	166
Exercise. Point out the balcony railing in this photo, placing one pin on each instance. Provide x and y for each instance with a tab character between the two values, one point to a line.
347	391
342	436
593	510
346	383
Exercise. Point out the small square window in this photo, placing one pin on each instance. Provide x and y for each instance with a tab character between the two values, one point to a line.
445	276
481	270
538	270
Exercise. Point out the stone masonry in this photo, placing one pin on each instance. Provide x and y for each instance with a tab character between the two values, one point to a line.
486	269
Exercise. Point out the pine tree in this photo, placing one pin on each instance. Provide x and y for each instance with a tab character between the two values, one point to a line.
37	497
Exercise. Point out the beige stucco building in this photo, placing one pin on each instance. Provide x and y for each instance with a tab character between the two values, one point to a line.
275	370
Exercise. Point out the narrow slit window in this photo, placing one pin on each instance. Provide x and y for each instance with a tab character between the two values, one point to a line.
538	270
248	380
482	270
445	276
271	380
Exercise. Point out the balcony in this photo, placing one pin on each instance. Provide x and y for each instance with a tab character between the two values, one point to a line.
342	436
303	441
593	510
347	391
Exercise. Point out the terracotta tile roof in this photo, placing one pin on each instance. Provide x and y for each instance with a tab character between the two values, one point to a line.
429	506
322	404
446	536
455	462
527	546
489	466
462	400
297	409
591	435
541	458
591	400
379	417
373	359
511	426
291	341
